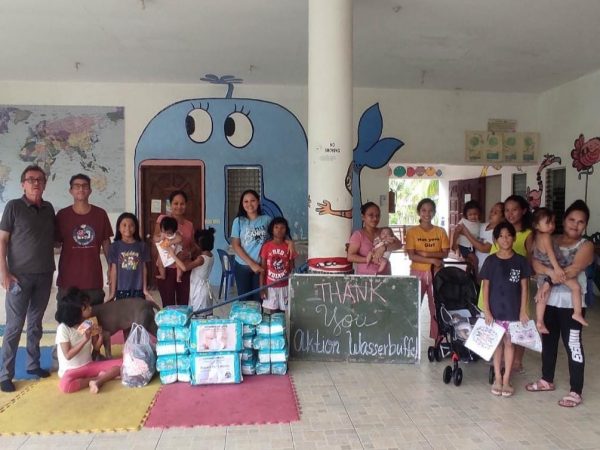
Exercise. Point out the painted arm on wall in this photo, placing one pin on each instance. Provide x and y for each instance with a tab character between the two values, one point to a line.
325	208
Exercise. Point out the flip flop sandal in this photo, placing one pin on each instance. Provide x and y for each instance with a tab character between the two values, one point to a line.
540	386
571	400
497	389
507	391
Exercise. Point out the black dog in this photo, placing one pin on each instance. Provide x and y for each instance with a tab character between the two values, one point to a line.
120	315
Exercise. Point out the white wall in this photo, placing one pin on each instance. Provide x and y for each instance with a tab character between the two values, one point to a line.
432	124
564	113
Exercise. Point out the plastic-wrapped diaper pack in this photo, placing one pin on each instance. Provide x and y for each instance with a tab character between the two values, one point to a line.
279	368
267	355
273	325
248	330
249	366
170	347
166	363
212	335
247	354
168	376
183	368
275	368
271	344
173	368
279	355
173	334
263	368
246	312
247	341
215	368
277	325
268	342
264	327
173	316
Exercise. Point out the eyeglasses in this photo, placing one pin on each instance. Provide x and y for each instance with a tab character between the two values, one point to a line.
35	180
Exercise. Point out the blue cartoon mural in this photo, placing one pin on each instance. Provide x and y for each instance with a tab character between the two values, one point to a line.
227	133
370	151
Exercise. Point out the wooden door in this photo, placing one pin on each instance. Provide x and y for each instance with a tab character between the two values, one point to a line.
462	191
157	182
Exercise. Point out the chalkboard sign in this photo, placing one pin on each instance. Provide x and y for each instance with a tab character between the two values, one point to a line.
354	318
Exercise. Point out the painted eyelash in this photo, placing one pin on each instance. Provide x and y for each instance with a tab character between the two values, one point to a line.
241	111
200	106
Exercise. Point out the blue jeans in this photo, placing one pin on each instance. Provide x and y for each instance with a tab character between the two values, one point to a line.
246	280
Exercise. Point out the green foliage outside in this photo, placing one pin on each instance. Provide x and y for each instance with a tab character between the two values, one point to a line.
408	194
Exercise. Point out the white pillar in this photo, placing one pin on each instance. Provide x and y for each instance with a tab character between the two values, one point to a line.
329	133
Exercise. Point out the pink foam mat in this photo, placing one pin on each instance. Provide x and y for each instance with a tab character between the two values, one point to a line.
258	399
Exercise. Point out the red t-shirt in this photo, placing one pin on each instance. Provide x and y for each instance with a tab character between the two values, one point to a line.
81	236
279	261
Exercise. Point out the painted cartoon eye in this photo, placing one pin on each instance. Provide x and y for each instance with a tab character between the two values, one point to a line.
238	129
198	125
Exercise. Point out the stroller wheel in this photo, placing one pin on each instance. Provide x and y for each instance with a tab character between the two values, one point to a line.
437	354
447	374
458	376
431	354
491	375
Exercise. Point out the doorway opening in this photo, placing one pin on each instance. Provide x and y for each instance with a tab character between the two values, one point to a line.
408	194
157	180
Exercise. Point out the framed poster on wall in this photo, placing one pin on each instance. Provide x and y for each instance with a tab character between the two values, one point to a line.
511	148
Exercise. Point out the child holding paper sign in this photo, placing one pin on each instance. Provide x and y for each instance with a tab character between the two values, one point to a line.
504	285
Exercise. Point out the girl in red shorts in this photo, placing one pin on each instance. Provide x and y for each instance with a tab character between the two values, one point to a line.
76	335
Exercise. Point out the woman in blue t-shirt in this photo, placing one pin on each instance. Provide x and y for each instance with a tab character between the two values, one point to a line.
248	233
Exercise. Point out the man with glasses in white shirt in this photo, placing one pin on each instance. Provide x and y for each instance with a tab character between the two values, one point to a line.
26	268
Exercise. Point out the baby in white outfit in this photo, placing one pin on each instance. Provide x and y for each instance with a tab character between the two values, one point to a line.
386	236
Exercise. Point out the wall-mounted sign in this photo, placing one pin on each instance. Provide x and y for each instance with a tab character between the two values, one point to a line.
502	125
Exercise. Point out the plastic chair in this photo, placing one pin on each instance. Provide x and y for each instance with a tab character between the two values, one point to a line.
227	277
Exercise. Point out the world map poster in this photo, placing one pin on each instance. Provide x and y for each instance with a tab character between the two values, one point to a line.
64	140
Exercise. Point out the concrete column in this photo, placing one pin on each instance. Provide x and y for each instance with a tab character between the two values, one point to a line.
329	133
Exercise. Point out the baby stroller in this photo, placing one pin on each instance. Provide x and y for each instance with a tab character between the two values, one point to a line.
455	298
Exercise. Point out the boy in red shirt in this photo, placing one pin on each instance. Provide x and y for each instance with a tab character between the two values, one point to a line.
277	259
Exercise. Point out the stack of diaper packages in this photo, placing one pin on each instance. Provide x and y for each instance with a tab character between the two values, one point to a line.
215	346
271	344
250	314
173	335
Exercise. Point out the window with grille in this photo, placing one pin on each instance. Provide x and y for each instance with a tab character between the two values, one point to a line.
555	194
237	180
519	184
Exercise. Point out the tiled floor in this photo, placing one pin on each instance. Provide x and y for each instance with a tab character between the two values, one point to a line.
347	406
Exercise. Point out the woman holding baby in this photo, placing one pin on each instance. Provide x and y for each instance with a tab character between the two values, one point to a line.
171	291
575	253
369	260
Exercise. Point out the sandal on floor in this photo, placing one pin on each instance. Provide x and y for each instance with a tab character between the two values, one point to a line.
507	391
497	389
540	385
571	400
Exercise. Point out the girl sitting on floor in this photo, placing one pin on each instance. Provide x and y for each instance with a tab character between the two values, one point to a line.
75	337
